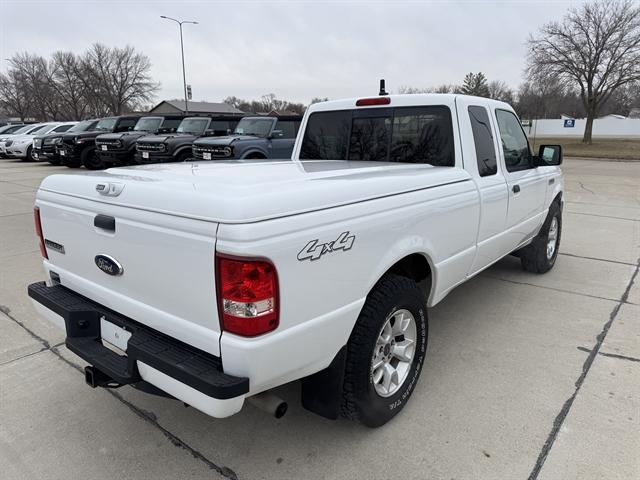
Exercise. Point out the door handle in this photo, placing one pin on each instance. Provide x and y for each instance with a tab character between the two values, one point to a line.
516	189
552	181
105	222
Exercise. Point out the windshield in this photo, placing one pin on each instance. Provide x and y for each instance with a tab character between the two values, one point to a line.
82	126
10	128
194	126
106	124
24	129
260	127
39	128
148	124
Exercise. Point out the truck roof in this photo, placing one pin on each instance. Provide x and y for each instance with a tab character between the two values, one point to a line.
407	100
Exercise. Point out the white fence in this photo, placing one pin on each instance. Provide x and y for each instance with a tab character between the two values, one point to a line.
603	127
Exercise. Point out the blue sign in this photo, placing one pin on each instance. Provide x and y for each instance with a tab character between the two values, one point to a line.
569	123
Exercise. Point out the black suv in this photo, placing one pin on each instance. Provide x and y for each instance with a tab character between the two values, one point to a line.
45	146
176	147
254	137
114	149
78	149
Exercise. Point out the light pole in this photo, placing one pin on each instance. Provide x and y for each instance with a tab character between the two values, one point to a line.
184	76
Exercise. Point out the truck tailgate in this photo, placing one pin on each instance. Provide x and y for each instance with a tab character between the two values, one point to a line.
167	280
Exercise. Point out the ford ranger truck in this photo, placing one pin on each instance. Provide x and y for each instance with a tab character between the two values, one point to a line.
117	149
216	282
79	148
176	147
254	137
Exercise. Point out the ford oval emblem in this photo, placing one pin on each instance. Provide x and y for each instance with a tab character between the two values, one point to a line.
109	265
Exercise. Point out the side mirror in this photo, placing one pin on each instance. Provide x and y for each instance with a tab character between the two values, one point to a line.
549	155
209	133
276	134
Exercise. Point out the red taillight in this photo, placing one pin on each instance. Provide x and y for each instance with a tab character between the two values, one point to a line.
36	217
366	102
247	295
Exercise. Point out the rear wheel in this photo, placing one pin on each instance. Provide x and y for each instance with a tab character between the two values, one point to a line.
385	352
540	255
90	160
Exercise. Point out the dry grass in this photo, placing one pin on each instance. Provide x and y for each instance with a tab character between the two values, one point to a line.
614	148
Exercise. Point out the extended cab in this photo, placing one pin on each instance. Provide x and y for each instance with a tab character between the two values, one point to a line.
176	147
254	137
78	148
218	281
117	149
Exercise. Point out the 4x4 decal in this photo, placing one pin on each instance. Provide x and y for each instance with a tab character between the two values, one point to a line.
314	250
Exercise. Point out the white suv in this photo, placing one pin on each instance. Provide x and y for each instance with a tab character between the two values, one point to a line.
21	145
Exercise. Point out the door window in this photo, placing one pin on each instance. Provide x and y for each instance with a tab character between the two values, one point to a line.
514	142
289	128
483	140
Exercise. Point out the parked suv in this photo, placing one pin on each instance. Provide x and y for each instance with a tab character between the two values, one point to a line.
254	137
21	145
78	149
177	147
45	147
120	148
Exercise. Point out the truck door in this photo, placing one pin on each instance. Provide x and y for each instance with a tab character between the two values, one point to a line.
527	184
480	140
283	137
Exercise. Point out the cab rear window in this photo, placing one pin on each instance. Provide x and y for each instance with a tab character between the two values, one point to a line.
404	135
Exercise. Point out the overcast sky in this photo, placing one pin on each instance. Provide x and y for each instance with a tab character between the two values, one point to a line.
295	49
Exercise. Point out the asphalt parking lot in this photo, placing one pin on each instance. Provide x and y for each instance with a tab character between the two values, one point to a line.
526	377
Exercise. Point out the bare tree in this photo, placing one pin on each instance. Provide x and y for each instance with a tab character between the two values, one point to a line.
119	76
68	84
499	90
595	47
14	99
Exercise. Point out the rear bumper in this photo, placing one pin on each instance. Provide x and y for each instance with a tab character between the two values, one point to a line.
182	371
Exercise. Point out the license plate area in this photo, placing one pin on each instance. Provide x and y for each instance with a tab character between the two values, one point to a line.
103	148
114	335
206	156
145	154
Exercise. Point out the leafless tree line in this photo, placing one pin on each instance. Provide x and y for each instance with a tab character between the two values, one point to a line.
101	81
266	104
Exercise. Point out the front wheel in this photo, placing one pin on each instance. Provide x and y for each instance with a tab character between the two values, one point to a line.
90	160
540	255
385	352
29	155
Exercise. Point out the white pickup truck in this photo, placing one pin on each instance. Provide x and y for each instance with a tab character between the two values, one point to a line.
214	282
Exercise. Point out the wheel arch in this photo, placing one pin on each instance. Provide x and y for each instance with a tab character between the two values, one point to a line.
254	151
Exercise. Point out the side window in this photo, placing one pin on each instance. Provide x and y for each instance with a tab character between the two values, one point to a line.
483	140
219	127
289	128
62	128
422	135
126	124
171	122
514	142
326	136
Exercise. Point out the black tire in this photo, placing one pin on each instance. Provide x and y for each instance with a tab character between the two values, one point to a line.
534	257
361	402
29	156
90	160
184	156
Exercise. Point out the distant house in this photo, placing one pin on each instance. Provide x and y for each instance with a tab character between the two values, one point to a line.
614	115
195	108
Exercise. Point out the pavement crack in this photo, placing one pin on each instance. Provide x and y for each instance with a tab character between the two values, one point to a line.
598	259
7	311
151	418
586	189
611	355
566	407
603	216
550	288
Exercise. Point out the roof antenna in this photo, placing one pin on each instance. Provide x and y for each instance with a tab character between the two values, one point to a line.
382	90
